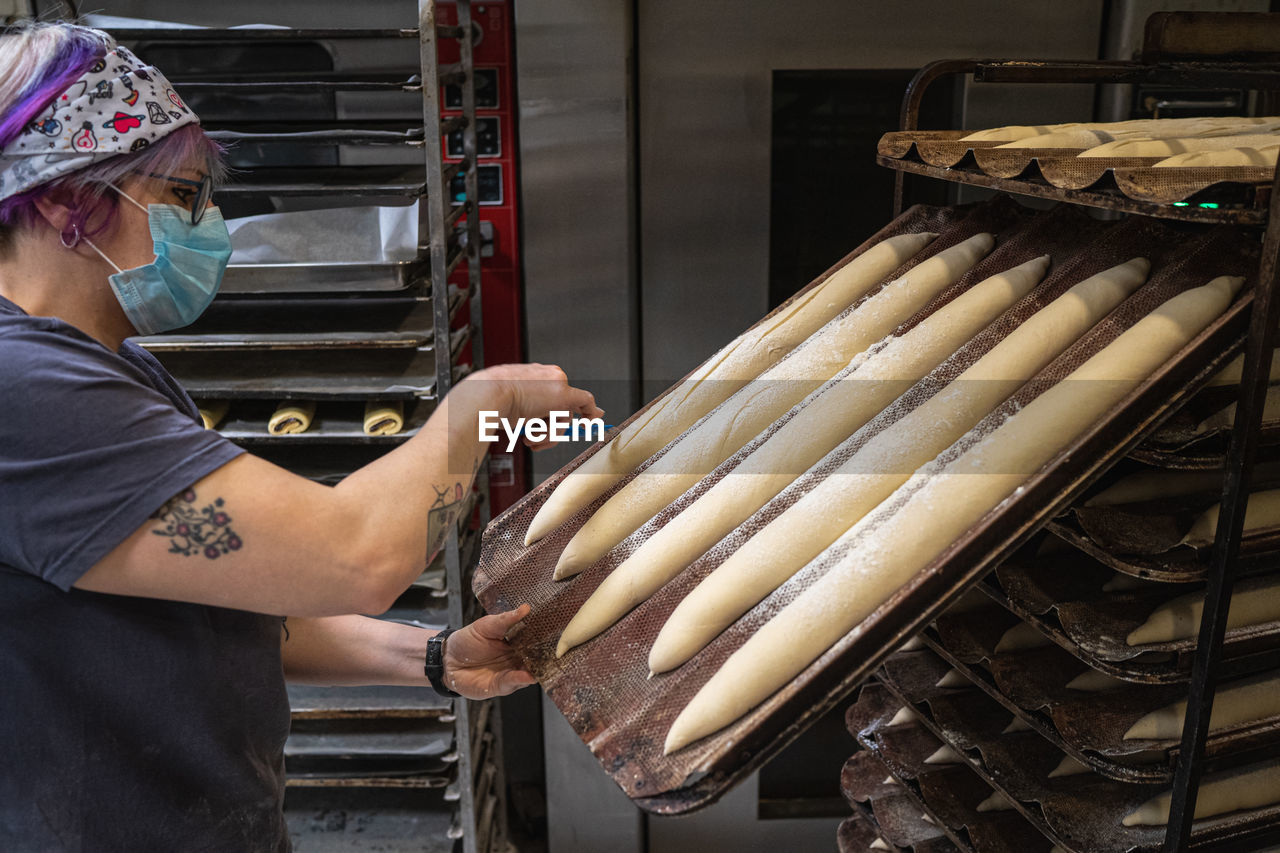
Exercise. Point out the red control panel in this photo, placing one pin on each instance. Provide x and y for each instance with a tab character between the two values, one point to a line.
494	60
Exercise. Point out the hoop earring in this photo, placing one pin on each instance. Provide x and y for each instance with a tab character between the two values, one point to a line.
75	237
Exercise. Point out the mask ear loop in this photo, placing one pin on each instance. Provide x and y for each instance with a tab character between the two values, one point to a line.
78	236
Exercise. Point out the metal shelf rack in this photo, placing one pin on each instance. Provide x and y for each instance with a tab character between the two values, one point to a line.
1184	68
357	331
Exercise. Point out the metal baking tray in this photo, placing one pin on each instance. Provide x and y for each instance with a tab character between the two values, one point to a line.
379	181
393	821
1236	194
856	834
1081	812
345	277
949	793
1063	598
1180	565
360	374
602	688
370	323
335	422
334	703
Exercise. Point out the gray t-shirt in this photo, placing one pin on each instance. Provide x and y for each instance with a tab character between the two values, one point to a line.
126	723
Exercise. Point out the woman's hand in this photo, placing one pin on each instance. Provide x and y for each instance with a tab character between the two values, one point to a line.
530	391
479	663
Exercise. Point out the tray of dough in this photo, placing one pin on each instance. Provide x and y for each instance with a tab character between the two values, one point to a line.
1078	808
900	756
1125	730
1140	629
1220	161
859	834
897	822
954	394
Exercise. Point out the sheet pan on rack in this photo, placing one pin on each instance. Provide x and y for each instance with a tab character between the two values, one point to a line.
602	688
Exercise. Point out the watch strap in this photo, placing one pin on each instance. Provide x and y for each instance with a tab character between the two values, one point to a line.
433	669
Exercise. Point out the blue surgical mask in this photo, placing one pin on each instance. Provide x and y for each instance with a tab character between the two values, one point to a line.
175	288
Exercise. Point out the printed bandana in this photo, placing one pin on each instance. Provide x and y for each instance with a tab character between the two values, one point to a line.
120	105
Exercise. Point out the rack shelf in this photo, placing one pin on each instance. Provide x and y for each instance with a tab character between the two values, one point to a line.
1099	199
1260	212
344	334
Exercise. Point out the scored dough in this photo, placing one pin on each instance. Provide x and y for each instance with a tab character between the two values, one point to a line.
1168	147
1220	793
1264	157
1093	136
212	412
1236	703
292	417
782	547
1262	513
949	502
1166	127
1254	601
720	376
383	418
763	401
831	417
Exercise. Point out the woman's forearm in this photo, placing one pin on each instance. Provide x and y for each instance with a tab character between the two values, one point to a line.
354	650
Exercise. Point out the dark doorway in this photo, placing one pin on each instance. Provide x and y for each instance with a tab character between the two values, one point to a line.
827	194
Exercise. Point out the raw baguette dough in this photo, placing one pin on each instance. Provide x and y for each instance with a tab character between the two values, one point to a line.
1221	793
831	417
775	391
1152	127
1160	483
997	802
212	412
1069	766
1234	372
954	678
383	418
1020	638
720	376
1094	135
786	544
1264	157
1254	601
1092	681
1167	147
292	417
1236	703
1223	420
1262	513
950	501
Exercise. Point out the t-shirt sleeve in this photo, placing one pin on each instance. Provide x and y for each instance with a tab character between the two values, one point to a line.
88	451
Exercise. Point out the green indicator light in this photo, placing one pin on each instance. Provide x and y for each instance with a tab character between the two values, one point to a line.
1209	204
1181	204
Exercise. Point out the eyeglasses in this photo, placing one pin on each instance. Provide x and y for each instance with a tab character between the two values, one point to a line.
194	193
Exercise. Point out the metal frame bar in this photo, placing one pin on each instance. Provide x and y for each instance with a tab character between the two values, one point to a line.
1259	344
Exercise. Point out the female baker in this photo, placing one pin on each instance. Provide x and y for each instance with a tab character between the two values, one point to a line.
145	563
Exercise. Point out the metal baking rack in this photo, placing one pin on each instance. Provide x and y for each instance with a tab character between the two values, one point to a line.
1200	67
425	772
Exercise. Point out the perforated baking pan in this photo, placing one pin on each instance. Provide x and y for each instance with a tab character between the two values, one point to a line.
1080	812
602	687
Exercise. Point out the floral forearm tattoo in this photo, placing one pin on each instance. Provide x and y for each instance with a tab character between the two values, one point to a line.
193	531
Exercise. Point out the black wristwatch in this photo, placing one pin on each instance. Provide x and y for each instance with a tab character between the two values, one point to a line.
434	667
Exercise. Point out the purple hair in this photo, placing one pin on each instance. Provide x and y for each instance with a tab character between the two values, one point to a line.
71	50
